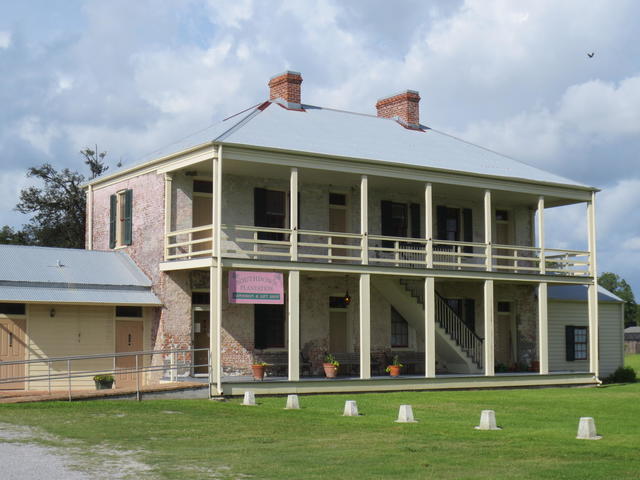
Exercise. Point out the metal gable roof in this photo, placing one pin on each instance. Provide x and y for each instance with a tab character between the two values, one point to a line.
42	274
337	133
345	134
579	292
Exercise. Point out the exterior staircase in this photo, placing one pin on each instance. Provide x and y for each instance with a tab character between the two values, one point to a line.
457	346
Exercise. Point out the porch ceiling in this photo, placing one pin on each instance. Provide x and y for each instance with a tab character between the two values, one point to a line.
343	179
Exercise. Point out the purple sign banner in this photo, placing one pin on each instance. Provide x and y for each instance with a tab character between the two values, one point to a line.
256	287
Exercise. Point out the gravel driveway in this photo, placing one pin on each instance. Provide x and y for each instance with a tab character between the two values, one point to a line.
21	458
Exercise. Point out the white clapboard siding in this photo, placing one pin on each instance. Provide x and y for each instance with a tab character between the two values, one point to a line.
563	313
74	330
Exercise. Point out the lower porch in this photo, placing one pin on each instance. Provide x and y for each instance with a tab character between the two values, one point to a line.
238	385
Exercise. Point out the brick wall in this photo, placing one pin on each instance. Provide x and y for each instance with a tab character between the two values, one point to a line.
171	325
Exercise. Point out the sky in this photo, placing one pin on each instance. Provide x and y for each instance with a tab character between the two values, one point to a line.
512	75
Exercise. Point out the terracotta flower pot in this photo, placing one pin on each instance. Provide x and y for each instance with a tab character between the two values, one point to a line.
394	370
330	370
258	372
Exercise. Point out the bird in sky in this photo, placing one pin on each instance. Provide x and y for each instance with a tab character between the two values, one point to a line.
590	55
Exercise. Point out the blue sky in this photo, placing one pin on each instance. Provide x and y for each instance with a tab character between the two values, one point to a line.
510	75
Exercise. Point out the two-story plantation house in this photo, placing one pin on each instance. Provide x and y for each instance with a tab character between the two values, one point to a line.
388	238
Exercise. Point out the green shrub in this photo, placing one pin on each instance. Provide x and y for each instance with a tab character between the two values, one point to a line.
622	375
103	378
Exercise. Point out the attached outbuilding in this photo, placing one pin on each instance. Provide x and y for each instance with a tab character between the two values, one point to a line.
569	330
57	302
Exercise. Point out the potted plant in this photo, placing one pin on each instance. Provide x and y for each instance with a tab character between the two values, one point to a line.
394	368
258	369
103	382
330	366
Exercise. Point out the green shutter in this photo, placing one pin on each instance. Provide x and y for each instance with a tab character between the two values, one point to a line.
570	343
128	217
112	221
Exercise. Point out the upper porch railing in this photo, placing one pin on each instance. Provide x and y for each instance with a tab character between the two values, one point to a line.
262	243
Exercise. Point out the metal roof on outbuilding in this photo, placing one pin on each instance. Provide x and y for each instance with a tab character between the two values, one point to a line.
64	275
579	292
337	133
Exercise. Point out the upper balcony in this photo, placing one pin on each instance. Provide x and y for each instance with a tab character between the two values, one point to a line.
290	214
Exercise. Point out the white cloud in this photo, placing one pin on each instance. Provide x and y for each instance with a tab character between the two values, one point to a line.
5	40
38	133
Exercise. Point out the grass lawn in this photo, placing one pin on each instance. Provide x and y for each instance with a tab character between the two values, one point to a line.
633	361
267	442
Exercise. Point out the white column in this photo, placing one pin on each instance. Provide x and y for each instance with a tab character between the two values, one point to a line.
293	318
429	327
543	329
594	364
428	223
488	328
365	325
488	217
89	207
543	263
168	191
293	213
216	331
214	300
364	218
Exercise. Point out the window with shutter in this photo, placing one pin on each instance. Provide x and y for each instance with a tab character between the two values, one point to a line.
121	219
269	326
269	210
576	341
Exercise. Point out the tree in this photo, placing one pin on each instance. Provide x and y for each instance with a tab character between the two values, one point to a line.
57	206
622	289
9	236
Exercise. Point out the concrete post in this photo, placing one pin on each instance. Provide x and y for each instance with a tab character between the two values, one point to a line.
488	329
365	325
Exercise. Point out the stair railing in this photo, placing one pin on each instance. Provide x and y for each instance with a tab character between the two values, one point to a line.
468	341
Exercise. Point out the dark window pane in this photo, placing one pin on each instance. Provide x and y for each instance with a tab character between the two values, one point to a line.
202	186
269	326
504	307
200	298
399	330
580	338
337	302
455	304
127	311
502	215
270	212
12	308
337	199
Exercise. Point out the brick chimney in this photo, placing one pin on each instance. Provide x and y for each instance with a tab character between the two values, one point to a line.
286	85
405	106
